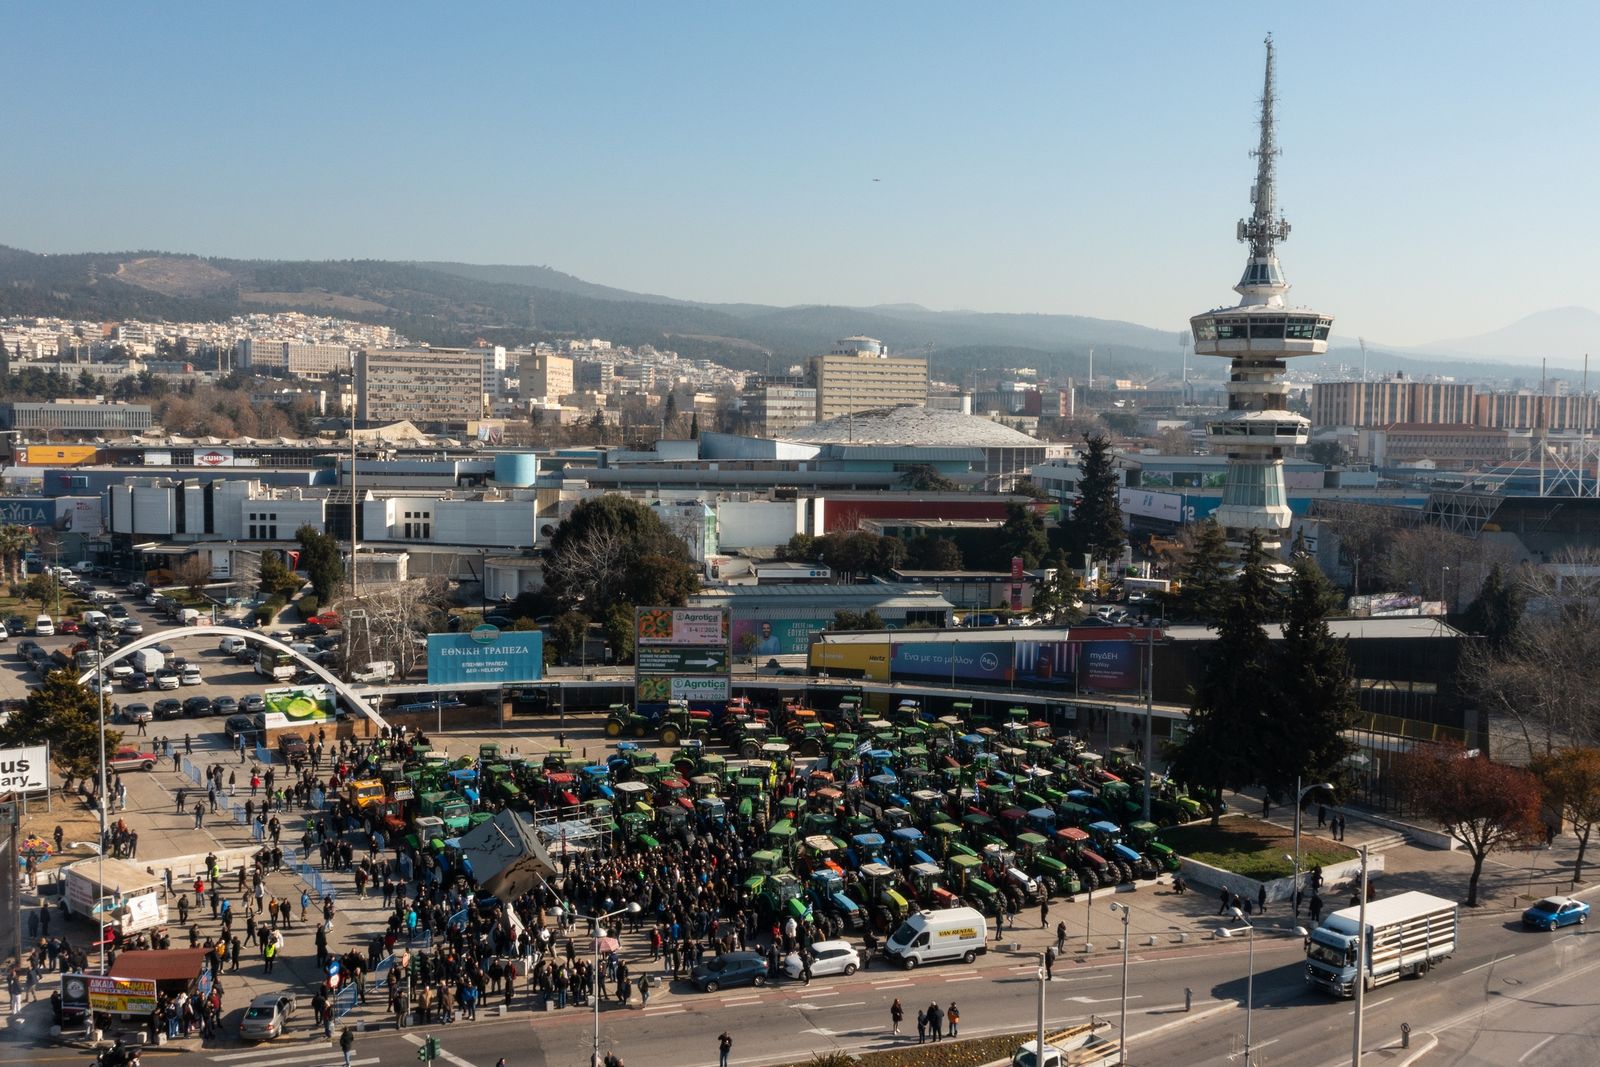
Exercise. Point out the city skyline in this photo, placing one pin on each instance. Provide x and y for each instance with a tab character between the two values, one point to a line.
1039	160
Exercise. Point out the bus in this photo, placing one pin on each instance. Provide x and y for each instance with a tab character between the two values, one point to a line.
277	665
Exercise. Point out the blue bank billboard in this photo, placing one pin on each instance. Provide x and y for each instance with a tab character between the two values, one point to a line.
487	654
972	661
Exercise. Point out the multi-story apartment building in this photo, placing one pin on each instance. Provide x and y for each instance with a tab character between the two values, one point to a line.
428	386
778	406
1390	400
860	375
1537	411
546	376
298	359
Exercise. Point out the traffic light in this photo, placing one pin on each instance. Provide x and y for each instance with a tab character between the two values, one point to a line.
422	1052
429	1049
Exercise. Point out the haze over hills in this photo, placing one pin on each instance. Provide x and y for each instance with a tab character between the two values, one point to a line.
459	303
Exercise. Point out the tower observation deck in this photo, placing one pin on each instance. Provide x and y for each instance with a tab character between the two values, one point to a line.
1257	335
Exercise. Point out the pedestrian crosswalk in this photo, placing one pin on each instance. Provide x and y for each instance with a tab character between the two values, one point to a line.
291	1054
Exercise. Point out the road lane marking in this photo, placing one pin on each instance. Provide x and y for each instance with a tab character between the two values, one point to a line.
1537	1047
264	1053
966	978
808	994
1102	1000
1491	963
671	1011
1369	1007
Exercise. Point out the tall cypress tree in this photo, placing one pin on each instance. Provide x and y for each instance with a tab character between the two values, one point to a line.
1496	612
1203	577
1096	527
1236	699
1307	736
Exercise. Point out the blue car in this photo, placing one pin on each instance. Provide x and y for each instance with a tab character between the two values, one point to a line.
1552	912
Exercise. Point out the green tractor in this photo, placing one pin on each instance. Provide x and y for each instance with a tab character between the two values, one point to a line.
621	719
1144	836
876	889
783	896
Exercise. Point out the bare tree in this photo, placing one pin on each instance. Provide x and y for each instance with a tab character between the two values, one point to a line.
192	572
588	569
398	621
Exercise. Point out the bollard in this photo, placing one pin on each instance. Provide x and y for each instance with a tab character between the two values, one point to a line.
1405	1035
1150	939
1188	998
1183	937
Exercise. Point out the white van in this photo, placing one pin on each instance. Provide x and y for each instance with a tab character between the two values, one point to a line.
43	626
941	934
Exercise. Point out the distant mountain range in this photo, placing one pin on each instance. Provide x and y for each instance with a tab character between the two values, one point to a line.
459	303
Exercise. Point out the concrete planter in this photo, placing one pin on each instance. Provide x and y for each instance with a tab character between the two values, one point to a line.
1278	889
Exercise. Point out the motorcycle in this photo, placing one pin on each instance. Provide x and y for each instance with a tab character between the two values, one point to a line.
118	1055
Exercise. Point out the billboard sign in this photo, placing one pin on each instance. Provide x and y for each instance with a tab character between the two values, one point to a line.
871	659
975	661
1109	665
1041	663
487	654
25	770
122	996
1167	507
773	637
682	626
698	690
301	704
683	659
213	457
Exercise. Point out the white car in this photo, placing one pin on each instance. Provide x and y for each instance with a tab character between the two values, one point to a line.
827	957
167	680
102	596
190	675
152	598
44	626
119	671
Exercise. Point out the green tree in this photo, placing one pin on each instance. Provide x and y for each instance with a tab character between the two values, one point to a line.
1023	535
930	553
1496	612
321	560
1236	698
926	478
857	620
1203	577
887	555
14	544
276	579
567	633
1308	738
1328	453
65	714
801	546
40	587
612	549
619	623
1095	527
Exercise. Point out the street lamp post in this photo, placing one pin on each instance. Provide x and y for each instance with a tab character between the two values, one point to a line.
1250	979
1299	801
595	921
100	692
1359	985
1122	1024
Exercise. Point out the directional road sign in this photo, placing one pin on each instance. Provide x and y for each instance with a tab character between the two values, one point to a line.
682	659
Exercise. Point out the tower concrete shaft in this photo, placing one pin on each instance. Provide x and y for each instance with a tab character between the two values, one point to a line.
1257	335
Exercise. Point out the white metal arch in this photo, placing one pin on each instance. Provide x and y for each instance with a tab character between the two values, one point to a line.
352	698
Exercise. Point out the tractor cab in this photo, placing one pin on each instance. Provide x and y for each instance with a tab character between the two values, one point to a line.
783	896
827	893
868	848
819	851
595	781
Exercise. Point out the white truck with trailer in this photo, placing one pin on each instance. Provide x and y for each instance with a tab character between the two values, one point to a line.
1405	935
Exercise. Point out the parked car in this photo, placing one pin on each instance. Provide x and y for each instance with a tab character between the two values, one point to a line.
131	626
253	704
26	649
1552	912
266	1017
238	724
168	680
229	646
119	671
44	626
137	713
131	759
828	957
136	682
169	708
729	970
68	626
117	611
292	747
198	707
189	674
225	705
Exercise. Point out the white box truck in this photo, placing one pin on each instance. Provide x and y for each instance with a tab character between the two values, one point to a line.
1405	935
941	934
125	896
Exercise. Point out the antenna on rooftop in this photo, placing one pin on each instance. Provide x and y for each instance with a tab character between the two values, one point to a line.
1363	341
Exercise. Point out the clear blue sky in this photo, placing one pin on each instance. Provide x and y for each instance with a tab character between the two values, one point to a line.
1438	163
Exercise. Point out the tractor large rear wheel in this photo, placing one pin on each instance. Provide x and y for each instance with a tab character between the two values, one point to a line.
669	735
749	750
613	727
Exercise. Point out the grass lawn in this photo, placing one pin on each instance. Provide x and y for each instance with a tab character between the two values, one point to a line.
1253	848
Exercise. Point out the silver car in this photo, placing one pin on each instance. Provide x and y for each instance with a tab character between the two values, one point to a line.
267	1017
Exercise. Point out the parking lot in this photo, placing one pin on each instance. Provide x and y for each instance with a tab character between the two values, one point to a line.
206	686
